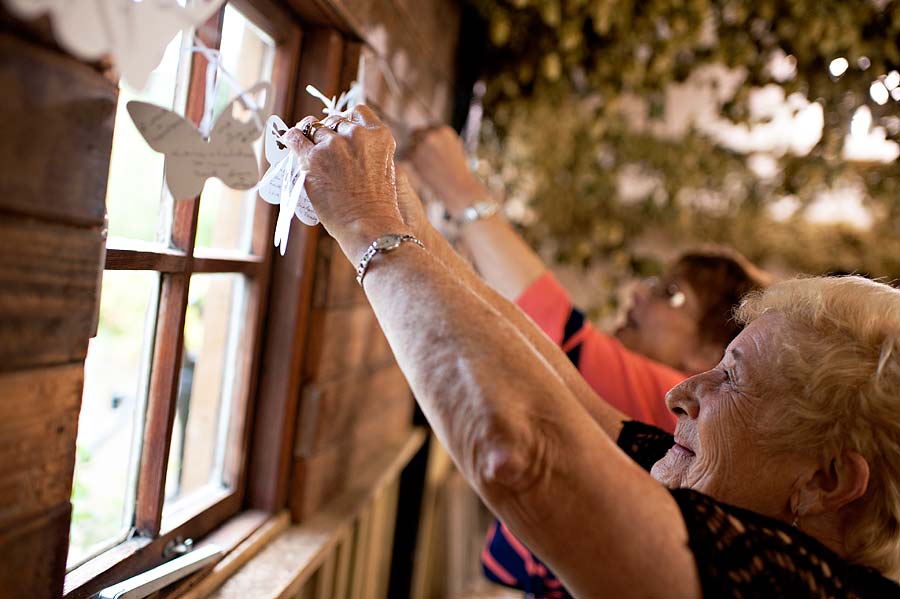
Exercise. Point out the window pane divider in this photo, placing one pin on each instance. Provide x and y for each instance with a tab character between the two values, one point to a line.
164	381
169	260
162	260
215	261
167	352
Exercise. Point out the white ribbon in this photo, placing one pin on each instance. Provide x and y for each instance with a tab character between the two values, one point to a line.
214	65
342	104
290	195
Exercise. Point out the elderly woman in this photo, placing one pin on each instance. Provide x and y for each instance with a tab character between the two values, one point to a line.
675	327
782	478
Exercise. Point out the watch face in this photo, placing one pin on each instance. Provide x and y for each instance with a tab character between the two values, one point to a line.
387	242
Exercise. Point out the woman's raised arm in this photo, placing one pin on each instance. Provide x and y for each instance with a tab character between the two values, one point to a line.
501	256
545	467
608	417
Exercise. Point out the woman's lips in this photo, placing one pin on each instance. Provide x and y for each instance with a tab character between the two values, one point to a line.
682	450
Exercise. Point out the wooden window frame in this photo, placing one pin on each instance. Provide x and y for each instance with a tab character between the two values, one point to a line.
175	267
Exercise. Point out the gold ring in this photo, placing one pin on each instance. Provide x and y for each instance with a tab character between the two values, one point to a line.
308	130
337	123
312	130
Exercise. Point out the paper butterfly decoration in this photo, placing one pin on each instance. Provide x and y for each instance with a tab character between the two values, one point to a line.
190	159
276	186
135	33
283	183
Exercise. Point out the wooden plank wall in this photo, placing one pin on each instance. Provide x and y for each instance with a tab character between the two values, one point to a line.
57	121
354	399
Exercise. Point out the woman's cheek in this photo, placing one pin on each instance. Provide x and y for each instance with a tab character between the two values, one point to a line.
721	444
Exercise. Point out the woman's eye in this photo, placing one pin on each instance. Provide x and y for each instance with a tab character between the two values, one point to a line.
727	376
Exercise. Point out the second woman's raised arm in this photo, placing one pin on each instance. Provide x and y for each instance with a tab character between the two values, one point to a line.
608	417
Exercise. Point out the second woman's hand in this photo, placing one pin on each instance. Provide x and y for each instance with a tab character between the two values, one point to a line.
440	160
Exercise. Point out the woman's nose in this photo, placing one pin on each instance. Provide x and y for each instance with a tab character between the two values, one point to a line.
682	398
641	292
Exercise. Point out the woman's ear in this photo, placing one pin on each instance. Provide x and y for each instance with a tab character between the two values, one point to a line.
832	486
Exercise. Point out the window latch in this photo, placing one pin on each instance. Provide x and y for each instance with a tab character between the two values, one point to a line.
165	574
178	547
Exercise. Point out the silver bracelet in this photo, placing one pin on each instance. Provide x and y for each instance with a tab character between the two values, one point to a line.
477	211
385	243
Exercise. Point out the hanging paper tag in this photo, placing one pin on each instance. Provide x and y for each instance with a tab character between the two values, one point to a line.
190	159
283	161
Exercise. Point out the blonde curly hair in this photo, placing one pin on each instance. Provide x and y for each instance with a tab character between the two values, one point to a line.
844	359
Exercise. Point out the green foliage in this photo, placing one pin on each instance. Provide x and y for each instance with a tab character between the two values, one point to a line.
566	77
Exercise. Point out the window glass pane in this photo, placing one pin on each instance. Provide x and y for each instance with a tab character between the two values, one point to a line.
112	409
214	345
135	193
226	215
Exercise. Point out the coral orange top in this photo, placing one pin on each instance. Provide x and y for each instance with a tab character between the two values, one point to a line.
632	383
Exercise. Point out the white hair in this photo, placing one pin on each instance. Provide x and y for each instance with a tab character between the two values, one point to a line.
842	356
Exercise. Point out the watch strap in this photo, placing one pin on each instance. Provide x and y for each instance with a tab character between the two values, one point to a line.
384	244
477	211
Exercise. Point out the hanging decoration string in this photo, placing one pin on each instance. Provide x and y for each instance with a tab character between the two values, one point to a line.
214	65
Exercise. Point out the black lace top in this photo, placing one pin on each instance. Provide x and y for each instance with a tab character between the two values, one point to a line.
742	554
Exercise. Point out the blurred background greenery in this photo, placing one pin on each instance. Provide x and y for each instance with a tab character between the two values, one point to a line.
621	131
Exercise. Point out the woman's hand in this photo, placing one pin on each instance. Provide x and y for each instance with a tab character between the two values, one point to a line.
440	160
351	181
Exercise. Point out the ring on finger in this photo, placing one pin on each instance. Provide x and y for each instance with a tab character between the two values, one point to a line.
312	130
335	122
307	129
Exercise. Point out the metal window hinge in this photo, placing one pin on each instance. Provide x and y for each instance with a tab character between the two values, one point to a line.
161	576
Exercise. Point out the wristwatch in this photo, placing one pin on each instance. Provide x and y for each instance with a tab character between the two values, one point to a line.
385	243
477	211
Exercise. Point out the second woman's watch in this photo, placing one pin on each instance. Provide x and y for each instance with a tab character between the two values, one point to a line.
477	211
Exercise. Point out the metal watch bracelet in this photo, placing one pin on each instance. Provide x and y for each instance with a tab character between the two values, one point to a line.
385	243
477	211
